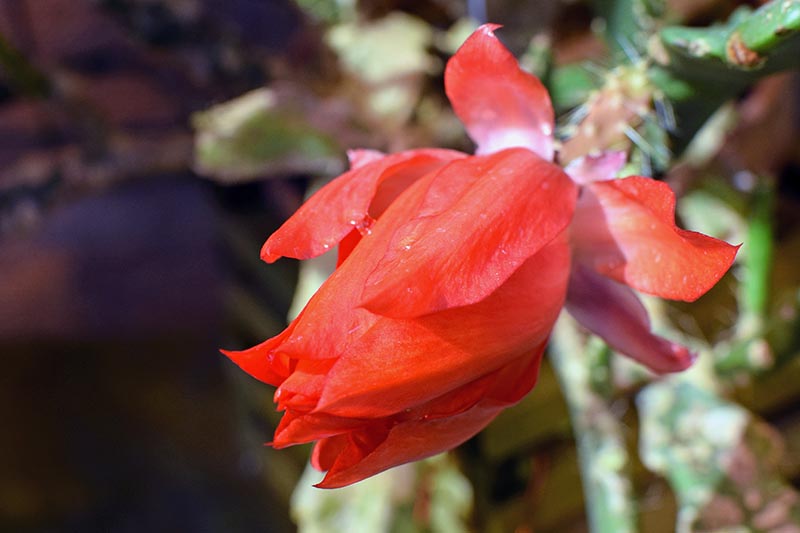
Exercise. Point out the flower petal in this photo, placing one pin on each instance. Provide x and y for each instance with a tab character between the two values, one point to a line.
516	379
299	428
262	362
589	168
371	451
327	450
330	214
625	229
333	315
259	363
501	105
361	156
347	245
425	430
302	389
480	220
401	363
612	311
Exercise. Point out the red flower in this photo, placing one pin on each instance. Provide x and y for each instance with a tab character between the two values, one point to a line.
452	271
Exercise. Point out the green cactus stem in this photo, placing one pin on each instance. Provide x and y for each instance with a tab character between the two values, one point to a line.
603	456
758	258
750	45
699	68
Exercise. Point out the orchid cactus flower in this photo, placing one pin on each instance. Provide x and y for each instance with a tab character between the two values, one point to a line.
452	271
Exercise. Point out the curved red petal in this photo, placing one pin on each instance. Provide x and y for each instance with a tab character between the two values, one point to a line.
426	430
516	379
347	245
625	229
497	390
401	363
612	311
480	220
326	451
361	156
262	362
300	428
501	105
330	214
373	451
333	315
303	387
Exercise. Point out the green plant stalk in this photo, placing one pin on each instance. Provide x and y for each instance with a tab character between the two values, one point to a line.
754	298
749	351
602	453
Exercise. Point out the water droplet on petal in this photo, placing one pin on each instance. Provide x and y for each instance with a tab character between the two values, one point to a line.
363	226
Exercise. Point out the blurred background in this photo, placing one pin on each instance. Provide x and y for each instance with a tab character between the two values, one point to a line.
149	147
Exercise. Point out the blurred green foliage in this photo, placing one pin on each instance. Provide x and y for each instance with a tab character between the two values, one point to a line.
721	461
256	134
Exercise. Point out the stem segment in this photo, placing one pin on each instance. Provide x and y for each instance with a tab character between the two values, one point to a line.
601	447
